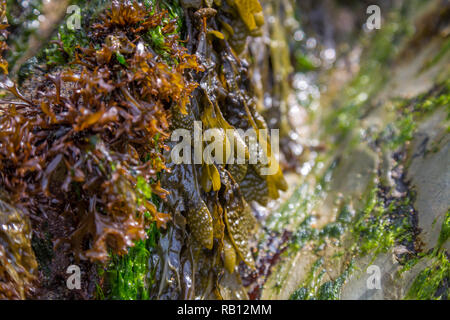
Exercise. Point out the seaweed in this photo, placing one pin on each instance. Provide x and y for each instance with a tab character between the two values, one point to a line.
312	289
3	37
129	276
84	152
18	264
430	282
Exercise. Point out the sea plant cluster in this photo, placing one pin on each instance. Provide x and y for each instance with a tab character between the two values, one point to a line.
85	168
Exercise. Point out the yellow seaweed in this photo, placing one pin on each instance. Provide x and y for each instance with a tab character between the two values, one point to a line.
251	13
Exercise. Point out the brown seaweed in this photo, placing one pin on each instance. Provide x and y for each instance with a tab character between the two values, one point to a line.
214	198
89	132
3	36
18	264
76	147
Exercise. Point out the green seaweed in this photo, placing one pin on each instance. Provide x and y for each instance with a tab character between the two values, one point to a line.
155	37
380	52
404	129
304	234
432	282
64	50
312	289
311	285
331	290
129	276
381	224
445	47
400	131
333	230
437	98
445	231
304	64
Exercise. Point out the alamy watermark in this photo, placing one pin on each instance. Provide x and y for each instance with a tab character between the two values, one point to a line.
230	146
374	20
374	280
74	280
74	20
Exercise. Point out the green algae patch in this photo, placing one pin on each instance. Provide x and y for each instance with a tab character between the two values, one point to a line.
440	54
409	113
436	98
432	282
445	231
305	233
429	284
130	277
372	230
312	289
62	49
402	131
331	290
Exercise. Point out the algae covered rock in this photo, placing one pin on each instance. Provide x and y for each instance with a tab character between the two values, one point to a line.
18	264
373	222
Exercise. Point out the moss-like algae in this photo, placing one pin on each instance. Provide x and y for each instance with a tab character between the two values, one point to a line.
445	231
130	277
314	289
432	282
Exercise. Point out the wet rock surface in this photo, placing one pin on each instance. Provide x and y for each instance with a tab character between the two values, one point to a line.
430	176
